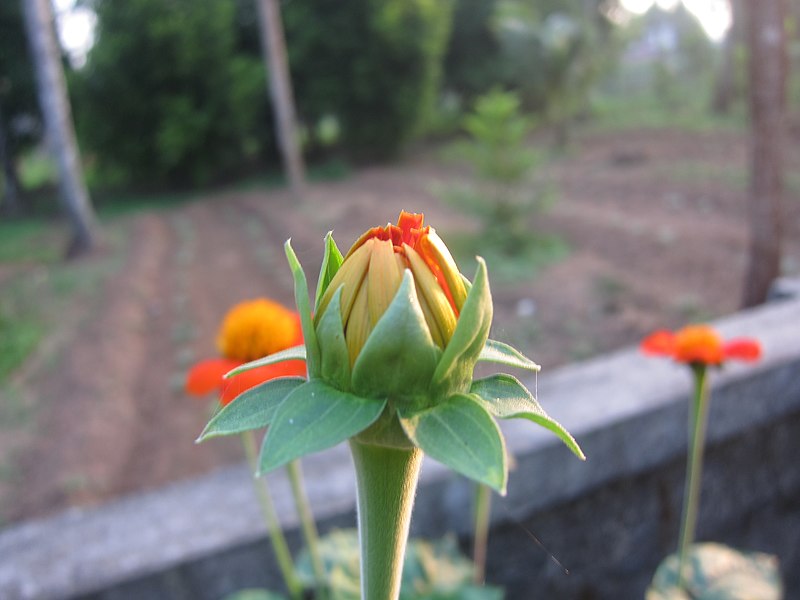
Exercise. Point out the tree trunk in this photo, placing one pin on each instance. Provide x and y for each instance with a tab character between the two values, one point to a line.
768	61
10	201
52	90
280	87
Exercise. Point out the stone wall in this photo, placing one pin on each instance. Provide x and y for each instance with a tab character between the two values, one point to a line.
566	529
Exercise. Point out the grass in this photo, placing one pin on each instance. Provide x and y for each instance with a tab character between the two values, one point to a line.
29	240
642	109
39	289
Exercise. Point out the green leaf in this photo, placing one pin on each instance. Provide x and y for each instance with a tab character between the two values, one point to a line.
335	367
454	372
506	398
399	356
314	417
331	261
498	352
462	435
293	353
718	572
303	307
252	409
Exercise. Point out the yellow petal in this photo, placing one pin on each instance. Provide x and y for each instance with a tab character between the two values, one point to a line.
358	328
433	246
384	279
428	287
433	328
350	275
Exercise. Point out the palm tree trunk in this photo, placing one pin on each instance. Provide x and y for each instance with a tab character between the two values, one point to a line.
52	89
768	61
280	86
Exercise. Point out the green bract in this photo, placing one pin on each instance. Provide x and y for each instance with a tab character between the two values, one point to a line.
400	390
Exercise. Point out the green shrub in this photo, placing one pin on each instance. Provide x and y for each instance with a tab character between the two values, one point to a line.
164	98
505	196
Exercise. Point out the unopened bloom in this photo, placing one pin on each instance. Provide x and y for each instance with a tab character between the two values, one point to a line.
700	345
250	330
372	272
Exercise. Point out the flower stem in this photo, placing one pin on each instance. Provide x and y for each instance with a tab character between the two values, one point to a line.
279	545
309	526
698	418
483	508
386	481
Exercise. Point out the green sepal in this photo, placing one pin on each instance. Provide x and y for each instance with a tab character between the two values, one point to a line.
500	353
335	360
454	371
399	356
314	417
252	409
461	434
506	398
293	353
303	307
331	261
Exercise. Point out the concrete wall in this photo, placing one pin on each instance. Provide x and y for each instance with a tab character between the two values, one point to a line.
567	529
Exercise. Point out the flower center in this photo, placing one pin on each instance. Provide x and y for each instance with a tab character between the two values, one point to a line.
698	343
256	328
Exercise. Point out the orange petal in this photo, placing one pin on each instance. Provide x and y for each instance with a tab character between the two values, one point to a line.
238	384
659	343
410	225
207	375
746	349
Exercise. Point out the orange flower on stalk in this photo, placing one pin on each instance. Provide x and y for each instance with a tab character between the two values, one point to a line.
250	330
700	344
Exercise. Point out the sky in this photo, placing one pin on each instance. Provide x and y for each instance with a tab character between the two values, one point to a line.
75	29
714	15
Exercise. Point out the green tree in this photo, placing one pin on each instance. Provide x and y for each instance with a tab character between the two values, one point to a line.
374	65
164	97
17	101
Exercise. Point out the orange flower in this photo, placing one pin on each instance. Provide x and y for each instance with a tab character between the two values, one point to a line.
250	330
700	344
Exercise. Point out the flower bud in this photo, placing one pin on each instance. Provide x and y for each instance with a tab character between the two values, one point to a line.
372	272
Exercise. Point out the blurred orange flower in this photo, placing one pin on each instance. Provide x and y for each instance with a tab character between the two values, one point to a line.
700	344
250	330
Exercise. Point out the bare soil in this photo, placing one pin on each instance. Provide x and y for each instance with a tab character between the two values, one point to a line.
655	222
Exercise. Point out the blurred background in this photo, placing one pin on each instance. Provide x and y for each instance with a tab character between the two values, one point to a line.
623	165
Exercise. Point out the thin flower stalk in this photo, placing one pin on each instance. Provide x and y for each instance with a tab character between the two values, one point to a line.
309	526
482	513
699	347
698	420
278	541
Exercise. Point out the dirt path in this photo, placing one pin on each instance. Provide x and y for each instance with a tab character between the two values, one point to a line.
655	223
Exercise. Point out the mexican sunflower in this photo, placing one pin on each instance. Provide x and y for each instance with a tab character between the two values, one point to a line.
700	345
250	330
372	272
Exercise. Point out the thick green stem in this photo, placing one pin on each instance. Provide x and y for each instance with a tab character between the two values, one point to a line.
483	508
279	545
698	418
309	526
386	481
